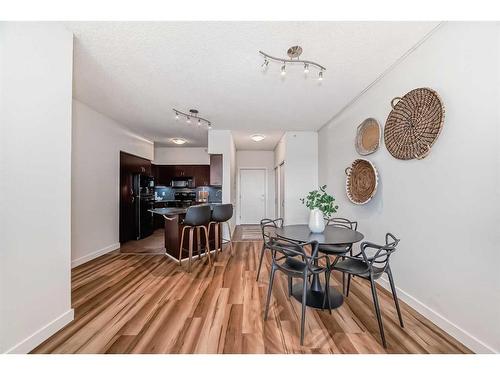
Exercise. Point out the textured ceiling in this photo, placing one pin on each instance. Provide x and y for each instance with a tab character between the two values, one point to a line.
136	72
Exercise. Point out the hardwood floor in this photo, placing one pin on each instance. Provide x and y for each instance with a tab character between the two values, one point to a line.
133	303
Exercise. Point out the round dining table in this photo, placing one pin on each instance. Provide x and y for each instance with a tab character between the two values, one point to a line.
332	235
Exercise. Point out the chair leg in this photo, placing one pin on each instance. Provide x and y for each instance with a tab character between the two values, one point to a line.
216	244
290	281
348	285
270	288
395	296
343	283
191	230
181	246
377	311
327	292
303	315
198	240
260	261
230	241
207	247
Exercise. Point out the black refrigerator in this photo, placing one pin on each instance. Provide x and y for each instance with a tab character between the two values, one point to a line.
144	200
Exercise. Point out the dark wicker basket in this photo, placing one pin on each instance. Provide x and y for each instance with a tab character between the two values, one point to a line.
414	124
361	182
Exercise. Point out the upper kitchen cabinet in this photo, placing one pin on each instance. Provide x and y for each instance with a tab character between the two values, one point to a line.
164	174
216	169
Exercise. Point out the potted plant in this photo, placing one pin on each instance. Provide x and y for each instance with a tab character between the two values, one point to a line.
322	207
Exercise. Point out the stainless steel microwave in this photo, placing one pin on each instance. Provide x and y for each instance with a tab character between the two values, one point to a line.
182	183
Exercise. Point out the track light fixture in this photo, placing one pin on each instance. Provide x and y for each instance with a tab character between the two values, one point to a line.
320	75
293	54
193	114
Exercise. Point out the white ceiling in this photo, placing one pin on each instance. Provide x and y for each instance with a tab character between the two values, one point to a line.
136	72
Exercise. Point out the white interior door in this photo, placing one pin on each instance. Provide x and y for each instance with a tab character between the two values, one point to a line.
282	190
252	195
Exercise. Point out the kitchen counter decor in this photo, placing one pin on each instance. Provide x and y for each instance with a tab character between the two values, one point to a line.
368	137
414	124
361	182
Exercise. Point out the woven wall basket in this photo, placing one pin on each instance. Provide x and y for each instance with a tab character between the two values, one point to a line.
361	182
368	137
414	124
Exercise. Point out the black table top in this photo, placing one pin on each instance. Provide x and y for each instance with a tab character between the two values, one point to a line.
331	236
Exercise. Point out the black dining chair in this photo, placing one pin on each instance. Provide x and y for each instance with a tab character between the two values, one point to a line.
339	250
292	259
197	218
221	214
371	266
267	226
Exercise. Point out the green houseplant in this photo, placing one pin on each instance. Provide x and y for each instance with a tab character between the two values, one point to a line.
322	205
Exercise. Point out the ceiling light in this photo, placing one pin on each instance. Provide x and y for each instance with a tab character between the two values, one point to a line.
178	141
257	137
193	114
320	76
293	58
265	64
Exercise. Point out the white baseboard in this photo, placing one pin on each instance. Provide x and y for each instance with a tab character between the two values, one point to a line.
473	343
42	334
95	254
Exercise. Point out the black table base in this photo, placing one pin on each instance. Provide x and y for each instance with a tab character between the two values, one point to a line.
314	298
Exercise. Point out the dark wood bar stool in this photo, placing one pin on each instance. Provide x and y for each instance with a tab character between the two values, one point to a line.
197	218
221	214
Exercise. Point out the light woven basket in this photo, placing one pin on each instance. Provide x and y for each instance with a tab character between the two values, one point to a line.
368	137
361	182
414	124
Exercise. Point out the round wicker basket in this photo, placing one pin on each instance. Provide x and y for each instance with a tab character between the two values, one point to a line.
368	137
361	182
414	124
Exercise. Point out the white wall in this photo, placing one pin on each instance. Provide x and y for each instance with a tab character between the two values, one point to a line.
444	208
97	142
181	155
299	151
221	142
257	159
35	183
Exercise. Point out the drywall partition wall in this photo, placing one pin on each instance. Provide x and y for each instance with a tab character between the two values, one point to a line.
445	208
299	151
97	142
35	183
257	159
221	142
181	155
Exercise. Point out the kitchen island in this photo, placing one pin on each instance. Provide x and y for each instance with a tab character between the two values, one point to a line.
173	218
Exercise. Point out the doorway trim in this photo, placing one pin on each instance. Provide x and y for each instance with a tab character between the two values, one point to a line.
238	218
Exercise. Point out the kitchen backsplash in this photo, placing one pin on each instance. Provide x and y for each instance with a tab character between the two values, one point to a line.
167	193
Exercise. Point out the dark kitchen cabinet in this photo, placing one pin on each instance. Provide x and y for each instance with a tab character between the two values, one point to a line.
201	174
165	173
216	169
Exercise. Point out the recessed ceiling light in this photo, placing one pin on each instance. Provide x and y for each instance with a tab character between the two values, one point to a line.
257	137
178	141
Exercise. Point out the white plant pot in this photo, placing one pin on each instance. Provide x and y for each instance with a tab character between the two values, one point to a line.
316	221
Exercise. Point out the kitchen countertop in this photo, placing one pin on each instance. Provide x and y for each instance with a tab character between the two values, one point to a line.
171	211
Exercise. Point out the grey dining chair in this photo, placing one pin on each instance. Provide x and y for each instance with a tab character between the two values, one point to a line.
371	266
